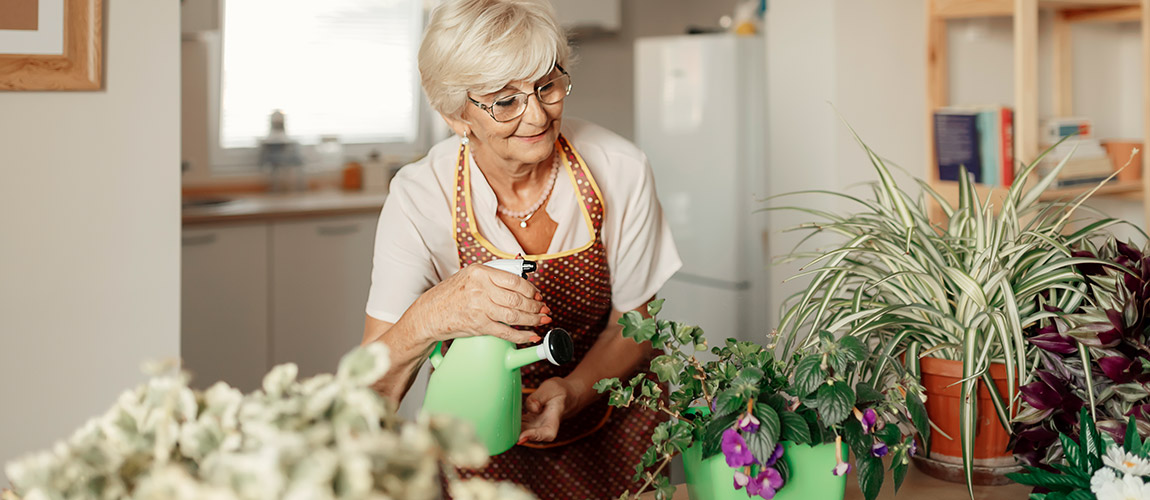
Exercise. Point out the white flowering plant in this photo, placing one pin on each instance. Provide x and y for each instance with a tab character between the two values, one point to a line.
327	437
1094	467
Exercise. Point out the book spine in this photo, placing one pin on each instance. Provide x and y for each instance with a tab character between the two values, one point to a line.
956	145
988	122
1006	146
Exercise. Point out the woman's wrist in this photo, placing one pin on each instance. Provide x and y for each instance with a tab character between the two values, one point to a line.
579	394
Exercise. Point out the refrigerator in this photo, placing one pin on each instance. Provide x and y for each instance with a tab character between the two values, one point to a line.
700	116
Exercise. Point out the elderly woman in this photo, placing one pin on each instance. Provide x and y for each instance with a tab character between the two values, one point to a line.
520	180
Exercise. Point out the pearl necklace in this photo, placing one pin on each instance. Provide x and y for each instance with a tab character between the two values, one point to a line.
526	215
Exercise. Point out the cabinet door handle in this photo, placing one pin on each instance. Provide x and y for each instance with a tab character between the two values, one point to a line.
337	230
199	240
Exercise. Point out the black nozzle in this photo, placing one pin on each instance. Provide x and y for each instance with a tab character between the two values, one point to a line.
560	347
529	266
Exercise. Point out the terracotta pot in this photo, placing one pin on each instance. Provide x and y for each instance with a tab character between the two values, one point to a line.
1119	153
939	379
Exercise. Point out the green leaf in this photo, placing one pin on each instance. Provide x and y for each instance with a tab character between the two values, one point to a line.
835	401
898	472
760	444
794	428
1090	442
728	402
654	306
1073	456
620	397
870	475
1050	480
1132	443
746	383
605	385
866	393
713	433
809	375
918	417
768	421
858	442
667	368
889	434
853	348
636	327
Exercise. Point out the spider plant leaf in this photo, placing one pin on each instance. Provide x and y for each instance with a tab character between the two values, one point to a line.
1032	195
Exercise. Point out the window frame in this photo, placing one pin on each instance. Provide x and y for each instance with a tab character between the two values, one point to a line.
245	161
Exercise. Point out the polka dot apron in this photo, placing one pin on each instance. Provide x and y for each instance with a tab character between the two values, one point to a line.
595	452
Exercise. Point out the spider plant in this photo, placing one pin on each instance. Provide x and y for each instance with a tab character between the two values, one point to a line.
962	290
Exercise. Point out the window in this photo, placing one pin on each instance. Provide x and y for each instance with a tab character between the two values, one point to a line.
334	67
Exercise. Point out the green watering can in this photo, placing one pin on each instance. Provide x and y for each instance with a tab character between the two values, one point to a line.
479	381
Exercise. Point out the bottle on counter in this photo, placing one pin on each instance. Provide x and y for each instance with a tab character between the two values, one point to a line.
376	173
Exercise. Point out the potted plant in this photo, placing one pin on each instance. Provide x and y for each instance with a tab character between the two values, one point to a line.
748	429
1094	467
958	294
330	436
1093	353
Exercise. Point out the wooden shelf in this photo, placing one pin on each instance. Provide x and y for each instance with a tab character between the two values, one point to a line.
956	9
1025	18
1126	189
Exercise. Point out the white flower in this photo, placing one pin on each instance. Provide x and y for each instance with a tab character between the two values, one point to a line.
1129	487
1102	477
1126	462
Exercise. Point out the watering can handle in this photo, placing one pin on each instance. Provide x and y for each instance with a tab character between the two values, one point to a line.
436	354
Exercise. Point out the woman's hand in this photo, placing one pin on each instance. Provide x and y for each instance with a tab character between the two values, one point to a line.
480	300
545	407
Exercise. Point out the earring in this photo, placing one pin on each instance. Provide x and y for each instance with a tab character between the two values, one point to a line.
465	140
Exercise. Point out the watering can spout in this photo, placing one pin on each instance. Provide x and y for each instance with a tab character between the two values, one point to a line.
557	347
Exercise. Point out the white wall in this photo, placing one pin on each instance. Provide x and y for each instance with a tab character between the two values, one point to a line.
89	252
864	57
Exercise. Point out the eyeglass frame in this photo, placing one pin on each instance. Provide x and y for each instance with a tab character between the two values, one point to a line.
490	108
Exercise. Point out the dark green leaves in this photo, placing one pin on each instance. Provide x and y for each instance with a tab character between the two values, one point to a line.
918	417
794	428
870	475
808	376
636	327
835	401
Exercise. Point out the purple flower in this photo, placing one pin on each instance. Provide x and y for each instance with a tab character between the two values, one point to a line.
775	455
735	449
771	477
910	450
841	469
748	423
868	419
741	480
878	449
760	485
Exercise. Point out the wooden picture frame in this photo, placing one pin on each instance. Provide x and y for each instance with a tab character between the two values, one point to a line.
80	65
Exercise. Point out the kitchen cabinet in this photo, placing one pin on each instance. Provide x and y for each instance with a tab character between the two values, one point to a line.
321	272
261	293
224	304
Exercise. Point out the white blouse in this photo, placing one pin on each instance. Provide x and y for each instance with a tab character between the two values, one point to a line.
414	248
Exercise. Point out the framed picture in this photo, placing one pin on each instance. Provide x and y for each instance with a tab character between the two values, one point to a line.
51	45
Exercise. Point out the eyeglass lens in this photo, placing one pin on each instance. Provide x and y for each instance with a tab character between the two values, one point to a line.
510	107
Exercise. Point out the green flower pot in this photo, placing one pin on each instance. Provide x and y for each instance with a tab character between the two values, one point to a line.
810	474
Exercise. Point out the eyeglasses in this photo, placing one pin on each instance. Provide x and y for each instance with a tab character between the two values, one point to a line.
511	107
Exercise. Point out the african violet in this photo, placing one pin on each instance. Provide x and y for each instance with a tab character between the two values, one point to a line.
1110	319
750	405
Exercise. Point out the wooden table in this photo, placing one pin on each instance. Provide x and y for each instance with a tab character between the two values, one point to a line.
916	486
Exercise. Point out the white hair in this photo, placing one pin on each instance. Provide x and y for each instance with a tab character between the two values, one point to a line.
482	45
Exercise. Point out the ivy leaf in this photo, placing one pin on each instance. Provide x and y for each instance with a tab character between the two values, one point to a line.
835	402
667	368
918	417
808	375
606	385
636	327
654	306
870	475
620	397
853	348
664	490
794	428
678	436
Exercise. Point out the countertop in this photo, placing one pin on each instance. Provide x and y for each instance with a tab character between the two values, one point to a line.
917	485
276	206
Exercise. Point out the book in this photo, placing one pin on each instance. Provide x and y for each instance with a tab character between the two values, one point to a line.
1055	129
1006	141
956	144
988	144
